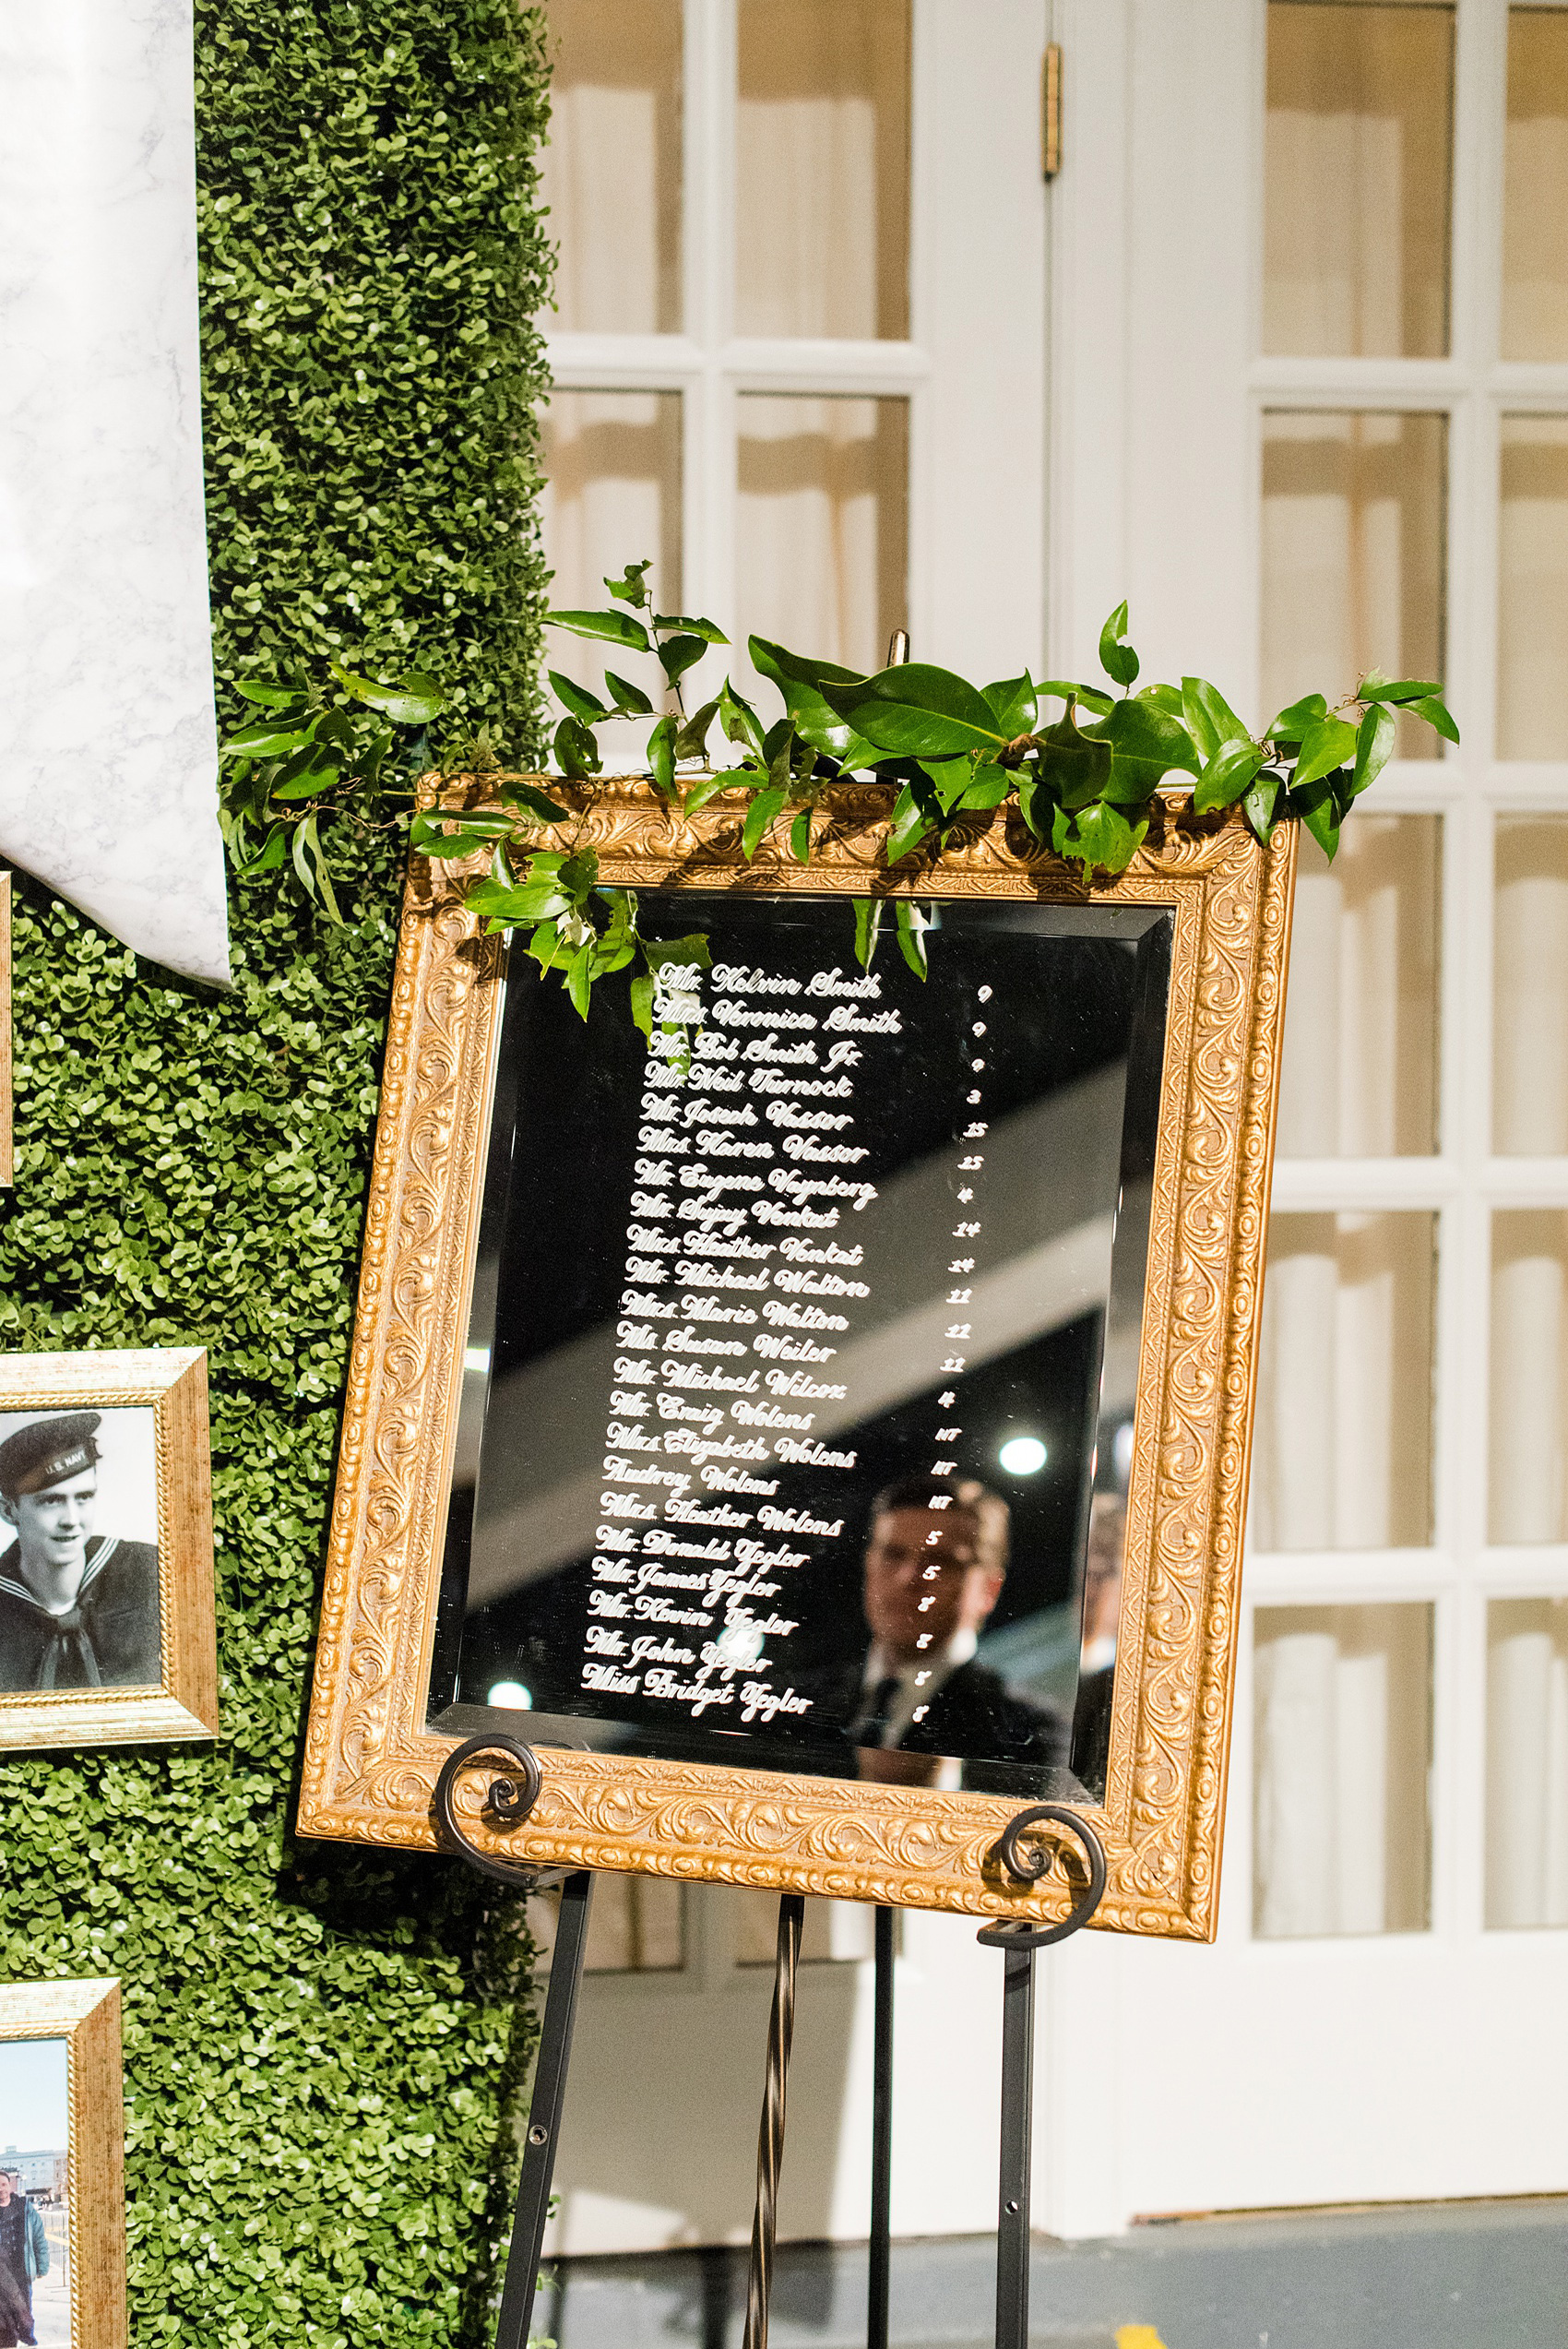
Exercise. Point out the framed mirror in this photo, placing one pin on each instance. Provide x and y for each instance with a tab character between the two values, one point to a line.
822	1431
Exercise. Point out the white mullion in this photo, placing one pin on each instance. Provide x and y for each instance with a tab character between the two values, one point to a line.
1403	384
813	364
1348	1577
1364	1185
622	361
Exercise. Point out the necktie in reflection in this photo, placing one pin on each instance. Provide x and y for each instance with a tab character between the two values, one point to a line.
872	1726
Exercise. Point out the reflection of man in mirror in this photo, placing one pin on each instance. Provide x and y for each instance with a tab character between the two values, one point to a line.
1102	1614
935	1563
78	1609
24	2254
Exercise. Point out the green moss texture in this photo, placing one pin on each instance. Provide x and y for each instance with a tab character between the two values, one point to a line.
323	2047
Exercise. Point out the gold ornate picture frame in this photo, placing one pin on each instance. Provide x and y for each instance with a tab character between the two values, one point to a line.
58	2035
372	1761
111	1639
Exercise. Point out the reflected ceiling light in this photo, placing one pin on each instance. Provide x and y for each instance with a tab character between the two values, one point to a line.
511	1695
1022	1456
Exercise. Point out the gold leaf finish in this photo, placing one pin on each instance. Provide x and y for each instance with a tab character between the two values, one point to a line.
371	1765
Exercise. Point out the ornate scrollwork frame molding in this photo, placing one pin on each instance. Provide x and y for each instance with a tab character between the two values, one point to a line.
371	1766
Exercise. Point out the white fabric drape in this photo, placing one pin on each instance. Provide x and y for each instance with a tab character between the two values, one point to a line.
1526	1847
1527	1486
108	741
820	523
1535	204
612	170
1359	1073
1342	1448
1531	987
1341	1730
1532	589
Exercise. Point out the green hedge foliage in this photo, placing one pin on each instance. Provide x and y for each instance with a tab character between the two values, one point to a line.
323	2046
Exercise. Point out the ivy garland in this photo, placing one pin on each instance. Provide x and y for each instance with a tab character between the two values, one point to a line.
323	2046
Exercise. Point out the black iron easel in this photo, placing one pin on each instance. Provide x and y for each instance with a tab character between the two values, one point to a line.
508	1800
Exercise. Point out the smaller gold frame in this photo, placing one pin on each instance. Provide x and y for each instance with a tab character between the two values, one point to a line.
85	2015
371	1763
173	1382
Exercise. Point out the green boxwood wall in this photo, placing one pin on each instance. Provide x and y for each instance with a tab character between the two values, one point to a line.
322	2047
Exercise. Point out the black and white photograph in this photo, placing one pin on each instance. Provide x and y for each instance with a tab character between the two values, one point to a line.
79	1602
35	2194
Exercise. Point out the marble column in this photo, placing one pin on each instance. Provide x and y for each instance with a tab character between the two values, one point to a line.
108	744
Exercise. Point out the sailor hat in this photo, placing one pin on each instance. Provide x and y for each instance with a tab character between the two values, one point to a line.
47	1450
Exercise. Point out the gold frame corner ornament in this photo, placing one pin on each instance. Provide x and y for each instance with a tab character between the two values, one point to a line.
172	1380
371	1765
85	2015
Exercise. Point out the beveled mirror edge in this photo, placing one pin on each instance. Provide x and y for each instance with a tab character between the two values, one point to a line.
370	1767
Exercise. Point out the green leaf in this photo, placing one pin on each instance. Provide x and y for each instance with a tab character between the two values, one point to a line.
708	630
274	697
988	787
577	750
577	873
738	718
264	738
1102	837
1063	689
765	805
1228	773
579	978
1260	805
691	740
677	654
1292	723
320	772
1116	655
642	1004
1072	767
801	683
1374	747
428	835
708	787
868	923
609	627
530	802
1377	687
1147	744
1165	697
517	901
1210	719
1322	820
914	711
661	754
1012	703
577	698
545	944
661	953
910	931
911	822
632	586
801	837
1435	714
415	700
271	856
1323	746
628	697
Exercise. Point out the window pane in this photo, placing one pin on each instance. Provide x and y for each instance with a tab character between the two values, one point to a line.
1530	1046
823	523
636	1924
1342	1452
1359	1077
1526	1763
1532	589
822	169
1353	524
1342	1743
1360	124
1535	202
1529	1376
613	164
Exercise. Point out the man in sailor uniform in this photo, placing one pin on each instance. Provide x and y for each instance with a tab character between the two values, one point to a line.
78	1609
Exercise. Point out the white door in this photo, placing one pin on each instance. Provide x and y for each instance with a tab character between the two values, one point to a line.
801	361
1312	413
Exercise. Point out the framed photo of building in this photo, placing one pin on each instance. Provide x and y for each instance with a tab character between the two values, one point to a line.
62	2187
824	1432
107	1626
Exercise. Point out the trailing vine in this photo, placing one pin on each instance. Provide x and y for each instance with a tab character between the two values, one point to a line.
1085	785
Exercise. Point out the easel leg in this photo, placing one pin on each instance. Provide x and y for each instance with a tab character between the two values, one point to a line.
770	2136
881	2140
544	2114
1013	2196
